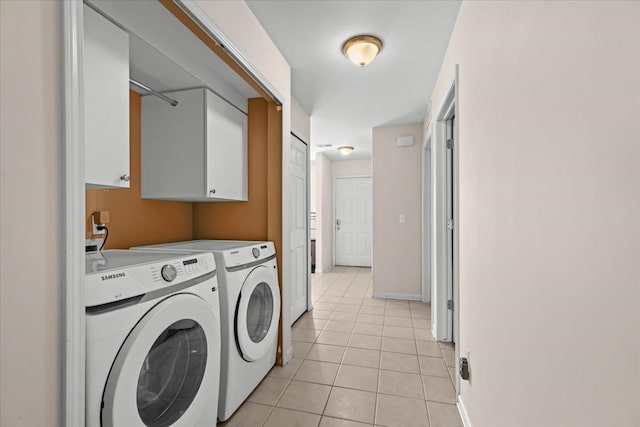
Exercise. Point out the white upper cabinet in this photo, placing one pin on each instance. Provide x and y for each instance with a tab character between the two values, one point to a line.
106	102
195	151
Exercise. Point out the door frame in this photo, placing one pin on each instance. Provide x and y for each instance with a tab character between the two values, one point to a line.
73	219
427	204
308	222
444	287
73	296
333	218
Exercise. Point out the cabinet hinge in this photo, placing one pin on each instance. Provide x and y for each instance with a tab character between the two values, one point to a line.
450	224
450	304
450	144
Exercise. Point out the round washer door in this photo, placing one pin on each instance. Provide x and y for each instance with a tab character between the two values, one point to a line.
167	371
257	313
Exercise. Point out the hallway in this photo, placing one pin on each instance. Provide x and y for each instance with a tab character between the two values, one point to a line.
358	361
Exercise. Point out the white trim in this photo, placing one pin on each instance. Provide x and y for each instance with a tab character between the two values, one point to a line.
196	13
426	215
288	355
464	415
439	297
392	295
456	232
73	369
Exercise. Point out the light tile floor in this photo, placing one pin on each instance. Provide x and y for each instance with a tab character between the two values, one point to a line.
358	361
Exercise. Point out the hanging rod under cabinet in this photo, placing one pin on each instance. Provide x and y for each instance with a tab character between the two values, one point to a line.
171	101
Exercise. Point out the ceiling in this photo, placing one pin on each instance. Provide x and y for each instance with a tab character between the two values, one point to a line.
345	101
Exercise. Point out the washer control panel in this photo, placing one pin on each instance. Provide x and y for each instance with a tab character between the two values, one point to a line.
168	272
119	274
181	270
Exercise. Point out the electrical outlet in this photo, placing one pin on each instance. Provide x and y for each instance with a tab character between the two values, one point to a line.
94	226
92	244
403	218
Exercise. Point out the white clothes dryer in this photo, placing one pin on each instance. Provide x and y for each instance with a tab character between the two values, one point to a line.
152	339
250	307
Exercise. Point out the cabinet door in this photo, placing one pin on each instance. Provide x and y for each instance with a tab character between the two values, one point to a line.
106	102
226	150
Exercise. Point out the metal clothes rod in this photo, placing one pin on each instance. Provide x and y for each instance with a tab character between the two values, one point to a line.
173	102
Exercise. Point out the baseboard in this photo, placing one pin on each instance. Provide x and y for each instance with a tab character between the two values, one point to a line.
323	270
463	412
288	355
390	295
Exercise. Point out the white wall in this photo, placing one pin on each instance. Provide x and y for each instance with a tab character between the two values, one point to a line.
239	24
312	186
324	214
549	205
300	122
397	189
351	167
30	211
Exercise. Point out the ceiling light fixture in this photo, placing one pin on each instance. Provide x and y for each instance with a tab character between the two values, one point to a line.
345	150
362	49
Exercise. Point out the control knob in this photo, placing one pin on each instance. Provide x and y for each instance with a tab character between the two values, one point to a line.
169	272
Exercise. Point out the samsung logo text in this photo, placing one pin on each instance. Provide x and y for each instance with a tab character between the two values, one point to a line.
113	276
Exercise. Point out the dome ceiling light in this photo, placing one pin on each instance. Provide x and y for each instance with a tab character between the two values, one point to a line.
345	150
362	49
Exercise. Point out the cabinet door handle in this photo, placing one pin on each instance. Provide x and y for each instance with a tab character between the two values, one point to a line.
212	191
125	177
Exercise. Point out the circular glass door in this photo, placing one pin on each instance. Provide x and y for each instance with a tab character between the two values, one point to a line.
171	373
257	313
167	371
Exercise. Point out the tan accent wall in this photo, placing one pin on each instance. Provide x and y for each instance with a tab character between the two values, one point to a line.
242	220
259	218
136	221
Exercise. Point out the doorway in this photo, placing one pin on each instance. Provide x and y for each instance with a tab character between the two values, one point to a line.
299	228
451	199
352	221
445	224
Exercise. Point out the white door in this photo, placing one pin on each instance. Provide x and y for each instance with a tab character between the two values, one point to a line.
299	228
352	201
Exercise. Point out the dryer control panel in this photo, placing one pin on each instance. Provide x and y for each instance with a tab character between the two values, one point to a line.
248	255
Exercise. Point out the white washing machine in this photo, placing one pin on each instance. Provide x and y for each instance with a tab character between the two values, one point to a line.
250	307
153	339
